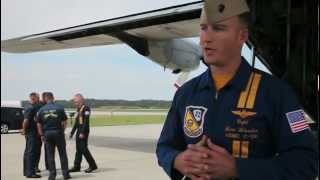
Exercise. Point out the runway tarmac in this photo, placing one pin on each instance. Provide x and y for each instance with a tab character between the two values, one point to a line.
124	113
121	152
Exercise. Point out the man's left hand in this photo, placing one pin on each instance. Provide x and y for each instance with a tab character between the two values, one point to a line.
23	132
219	164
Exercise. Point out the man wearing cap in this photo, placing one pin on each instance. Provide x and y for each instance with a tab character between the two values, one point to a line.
234	121
51	122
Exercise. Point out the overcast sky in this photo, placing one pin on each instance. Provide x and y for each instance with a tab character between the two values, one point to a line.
107	72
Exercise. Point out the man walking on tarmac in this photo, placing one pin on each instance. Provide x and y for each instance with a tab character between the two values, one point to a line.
82	126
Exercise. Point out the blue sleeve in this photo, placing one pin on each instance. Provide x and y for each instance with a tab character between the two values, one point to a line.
28	113
74	128
296	153
39	116
171	142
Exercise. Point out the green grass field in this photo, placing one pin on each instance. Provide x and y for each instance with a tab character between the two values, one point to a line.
124	120
130	110
117	109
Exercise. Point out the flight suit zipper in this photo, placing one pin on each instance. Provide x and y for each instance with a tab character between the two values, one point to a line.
216	95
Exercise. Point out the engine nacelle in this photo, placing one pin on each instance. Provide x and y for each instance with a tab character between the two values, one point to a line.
175	54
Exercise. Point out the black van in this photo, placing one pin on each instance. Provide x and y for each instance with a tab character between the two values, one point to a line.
11	119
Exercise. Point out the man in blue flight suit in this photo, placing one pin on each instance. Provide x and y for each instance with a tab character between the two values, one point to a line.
233	121
52	121
82	126
29	129
39	142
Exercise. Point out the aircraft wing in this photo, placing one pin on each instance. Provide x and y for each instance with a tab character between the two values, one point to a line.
173	22
284	32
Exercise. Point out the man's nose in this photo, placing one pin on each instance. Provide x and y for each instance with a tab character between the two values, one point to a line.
206	37
204	41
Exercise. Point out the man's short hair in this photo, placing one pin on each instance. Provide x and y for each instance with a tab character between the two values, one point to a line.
43	94
79	95
49	95
33	94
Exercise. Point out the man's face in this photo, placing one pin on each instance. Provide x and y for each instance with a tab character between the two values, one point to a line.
33	99
44	99
77	101
222	42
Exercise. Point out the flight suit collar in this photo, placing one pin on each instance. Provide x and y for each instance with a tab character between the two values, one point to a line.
242	75
239	80
205	80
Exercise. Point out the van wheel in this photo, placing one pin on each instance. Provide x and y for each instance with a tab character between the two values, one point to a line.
4	128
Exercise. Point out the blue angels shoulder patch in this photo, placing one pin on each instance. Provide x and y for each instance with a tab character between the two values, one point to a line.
194	120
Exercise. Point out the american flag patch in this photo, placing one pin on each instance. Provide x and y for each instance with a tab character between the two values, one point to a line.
297	121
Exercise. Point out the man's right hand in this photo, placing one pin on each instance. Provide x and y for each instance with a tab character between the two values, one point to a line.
191	163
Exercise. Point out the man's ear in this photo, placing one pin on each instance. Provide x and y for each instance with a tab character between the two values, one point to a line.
244	35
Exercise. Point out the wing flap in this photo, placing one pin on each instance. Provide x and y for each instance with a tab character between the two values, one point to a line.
46	44
188	28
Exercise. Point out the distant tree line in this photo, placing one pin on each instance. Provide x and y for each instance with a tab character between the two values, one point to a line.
97	103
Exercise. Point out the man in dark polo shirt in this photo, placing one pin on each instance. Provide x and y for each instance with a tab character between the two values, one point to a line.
29	130
52	121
